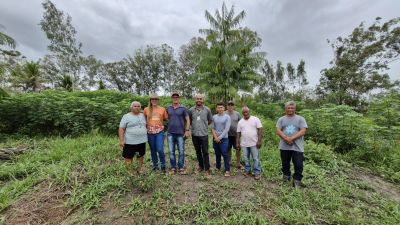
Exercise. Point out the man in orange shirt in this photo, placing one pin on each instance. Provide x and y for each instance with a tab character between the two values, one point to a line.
155	116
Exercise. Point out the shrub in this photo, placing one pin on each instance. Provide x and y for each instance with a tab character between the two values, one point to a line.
66	113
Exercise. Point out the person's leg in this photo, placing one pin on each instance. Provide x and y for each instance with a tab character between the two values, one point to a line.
238	159
224	151
128	166
246	158
153	149
286	156
141	150
197	146
204	147
171	147
181	148
256	157
298	158
160	149
217	155
140	163
231	145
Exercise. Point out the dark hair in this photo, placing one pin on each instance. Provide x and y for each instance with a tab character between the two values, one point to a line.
221	103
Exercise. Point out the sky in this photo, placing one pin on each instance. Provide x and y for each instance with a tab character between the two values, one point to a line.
290	30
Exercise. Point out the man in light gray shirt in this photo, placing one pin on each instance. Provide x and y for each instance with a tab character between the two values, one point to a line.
220	128
291	128
200	118
235	117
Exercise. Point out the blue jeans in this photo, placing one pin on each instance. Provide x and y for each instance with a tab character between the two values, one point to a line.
222	149
156	143
256	157
176	139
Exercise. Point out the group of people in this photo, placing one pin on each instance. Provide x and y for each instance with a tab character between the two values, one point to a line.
230	130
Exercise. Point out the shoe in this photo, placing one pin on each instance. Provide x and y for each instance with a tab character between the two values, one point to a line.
208	173
247	174
227	174
182	172
286	178
199	170
172	172
297	184
163	171
139	172
257	177
239	166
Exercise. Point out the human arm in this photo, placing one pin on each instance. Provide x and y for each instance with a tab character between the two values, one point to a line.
283	136
297	135
214	133
238	135
259	139
226	128
187	126
121	135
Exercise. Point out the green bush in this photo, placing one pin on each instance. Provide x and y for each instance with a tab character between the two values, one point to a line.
66	113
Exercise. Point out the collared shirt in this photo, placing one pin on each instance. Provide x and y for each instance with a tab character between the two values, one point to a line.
176	119
199	118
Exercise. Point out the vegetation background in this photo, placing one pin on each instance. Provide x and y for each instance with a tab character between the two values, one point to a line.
62	113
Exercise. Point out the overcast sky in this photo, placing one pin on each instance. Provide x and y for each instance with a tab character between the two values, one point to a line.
291	30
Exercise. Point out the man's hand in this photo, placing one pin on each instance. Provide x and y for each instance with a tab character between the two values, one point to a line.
288	140
216	139
121	144
237	146
187	134
258	145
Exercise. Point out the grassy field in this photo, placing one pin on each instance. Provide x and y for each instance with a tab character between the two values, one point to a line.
82	181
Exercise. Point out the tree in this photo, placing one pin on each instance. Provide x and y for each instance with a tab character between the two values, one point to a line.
168	68
28	77
66	51
280	83
227	65
91	67
188	60
115	75
360	62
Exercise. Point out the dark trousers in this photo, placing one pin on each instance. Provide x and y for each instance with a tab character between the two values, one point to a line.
297	158
200	144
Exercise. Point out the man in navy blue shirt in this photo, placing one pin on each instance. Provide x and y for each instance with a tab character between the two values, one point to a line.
178	129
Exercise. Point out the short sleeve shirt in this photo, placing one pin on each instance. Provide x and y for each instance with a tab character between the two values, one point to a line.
135	128
199	118
235	118
290	126
249	131
155	121
176	119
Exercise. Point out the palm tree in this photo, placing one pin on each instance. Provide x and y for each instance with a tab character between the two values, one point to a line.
228	64
7	40
28	77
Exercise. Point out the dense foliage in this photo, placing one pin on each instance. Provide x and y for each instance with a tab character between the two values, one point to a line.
66	113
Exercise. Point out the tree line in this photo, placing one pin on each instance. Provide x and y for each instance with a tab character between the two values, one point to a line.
223	62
